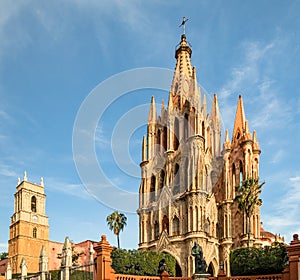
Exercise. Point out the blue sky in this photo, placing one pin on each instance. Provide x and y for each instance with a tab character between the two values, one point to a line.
54	53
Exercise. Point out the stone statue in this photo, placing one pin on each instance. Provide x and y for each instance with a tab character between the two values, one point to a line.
162	266
200	263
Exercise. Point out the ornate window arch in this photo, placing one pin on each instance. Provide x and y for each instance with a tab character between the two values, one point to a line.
33	204
34	232
175	226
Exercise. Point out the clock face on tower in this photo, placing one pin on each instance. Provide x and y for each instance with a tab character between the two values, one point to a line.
34	217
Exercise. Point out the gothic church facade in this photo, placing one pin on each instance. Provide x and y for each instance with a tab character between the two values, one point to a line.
188	181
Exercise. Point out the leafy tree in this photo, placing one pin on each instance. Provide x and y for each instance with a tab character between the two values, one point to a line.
137	262
116	222
247	197
3	255
254	261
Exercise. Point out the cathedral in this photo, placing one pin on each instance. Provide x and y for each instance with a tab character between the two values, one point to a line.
188	180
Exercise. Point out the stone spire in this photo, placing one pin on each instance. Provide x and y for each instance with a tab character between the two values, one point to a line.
23	268
8	272
144	149
183	55
162	114
43	262
240	119
152	113
216	126
215	111
255	143
25	176
227	144
183	82
91	253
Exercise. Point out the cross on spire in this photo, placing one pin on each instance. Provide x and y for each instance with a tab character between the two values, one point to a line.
184	20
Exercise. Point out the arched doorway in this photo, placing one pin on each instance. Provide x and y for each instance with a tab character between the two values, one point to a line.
178	270
210	269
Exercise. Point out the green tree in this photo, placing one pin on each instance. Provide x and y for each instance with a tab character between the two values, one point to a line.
247	197
143	263
116	222
258	261
3	255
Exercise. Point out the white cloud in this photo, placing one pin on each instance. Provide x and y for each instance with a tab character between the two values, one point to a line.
252	78
284	217
77	190
8	171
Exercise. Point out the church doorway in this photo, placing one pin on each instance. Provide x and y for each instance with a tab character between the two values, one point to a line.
210	269
178	271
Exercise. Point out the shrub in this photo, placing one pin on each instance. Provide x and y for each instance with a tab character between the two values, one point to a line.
137	262
254	261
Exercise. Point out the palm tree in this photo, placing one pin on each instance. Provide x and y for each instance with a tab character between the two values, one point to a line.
247	197
116	222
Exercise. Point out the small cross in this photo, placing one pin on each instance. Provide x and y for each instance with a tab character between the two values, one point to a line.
184	20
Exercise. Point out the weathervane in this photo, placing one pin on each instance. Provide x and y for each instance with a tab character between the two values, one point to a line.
184	20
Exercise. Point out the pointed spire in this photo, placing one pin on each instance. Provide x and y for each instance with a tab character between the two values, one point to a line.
215	111
239	123
152	112
254	136
227	136
183	55
43	261
227	144
144	149
43	252
255	142
247	135
170	102
25	176
204	105
19	181
8	272
42	181
91	253
162	110
23	267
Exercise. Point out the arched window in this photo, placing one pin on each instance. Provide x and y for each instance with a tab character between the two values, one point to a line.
152	188
233	177
158	140
164	138
33	204
161	179
142	232
203	129
175	226
241	172
185	175
176	134
208	137
186	126
176	179
197	218
165	223
192	122
156	230
34	232
191	219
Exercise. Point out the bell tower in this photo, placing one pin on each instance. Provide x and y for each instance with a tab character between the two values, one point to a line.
29	230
